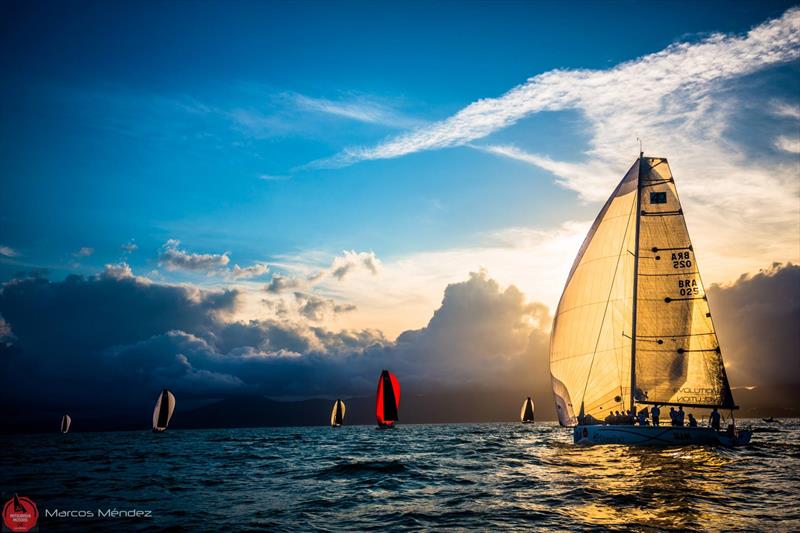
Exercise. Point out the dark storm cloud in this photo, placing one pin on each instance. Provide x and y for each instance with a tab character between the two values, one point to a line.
120	337
64	333
757	321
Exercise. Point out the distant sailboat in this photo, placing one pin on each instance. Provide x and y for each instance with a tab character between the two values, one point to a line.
526	413
387	399
165	405
337	414
66	421
633	325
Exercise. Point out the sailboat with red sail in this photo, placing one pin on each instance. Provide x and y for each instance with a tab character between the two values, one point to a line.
387	400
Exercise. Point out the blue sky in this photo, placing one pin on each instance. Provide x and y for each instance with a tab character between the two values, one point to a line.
227	127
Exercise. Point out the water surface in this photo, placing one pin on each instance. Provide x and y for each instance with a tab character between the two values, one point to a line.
460	476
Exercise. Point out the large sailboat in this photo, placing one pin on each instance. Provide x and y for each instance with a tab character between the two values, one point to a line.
633	328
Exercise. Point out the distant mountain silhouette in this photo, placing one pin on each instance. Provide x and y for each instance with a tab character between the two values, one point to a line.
260	411
257	411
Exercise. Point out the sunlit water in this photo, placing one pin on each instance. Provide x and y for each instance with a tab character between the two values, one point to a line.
461	476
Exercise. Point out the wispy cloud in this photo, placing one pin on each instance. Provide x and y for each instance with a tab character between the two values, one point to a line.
670	85
680	101
8	251
273	177
84	251
360	108
786	109
129	247
788	144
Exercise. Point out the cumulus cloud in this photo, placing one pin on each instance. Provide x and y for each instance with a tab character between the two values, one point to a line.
129	247
8	251
351	260
316	308
117	271
757	321
115	335
84	251
280	283
173	258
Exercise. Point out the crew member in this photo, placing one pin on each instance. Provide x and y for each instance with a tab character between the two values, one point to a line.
714	418
679	416
655	412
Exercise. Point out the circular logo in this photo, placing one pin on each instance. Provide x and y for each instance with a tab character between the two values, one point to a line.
20	514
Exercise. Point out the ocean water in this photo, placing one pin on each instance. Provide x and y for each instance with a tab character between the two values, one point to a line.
416	477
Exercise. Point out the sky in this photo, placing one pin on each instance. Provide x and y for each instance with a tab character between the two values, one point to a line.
335	169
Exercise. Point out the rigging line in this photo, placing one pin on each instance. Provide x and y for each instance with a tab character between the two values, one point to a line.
608	300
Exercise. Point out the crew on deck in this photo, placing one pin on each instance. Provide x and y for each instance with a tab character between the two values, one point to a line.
714	419
655	412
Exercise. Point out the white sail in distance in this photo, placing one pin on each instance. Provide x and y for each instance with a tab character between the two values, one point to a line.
66	422
635	276
337	413
165	405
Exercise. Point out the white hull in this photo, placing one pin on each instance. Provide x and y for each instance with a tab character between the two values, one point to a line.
657	436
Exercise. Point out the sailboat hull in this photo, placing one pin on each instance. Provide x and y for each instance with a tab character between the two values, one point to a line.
658	436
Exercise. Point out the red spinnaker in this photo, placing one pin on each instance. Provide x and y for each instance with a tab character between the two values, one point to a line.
387	399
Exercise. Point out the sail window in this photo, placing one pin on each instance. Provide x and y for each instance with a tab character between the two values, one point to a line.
658	197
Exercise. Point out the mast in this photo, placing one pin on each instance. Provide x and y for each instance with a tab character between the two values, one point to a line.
636	281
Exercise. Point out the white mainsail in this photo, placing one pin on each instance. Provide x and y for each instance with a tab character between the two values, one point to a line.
165	405
611	297
66	422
